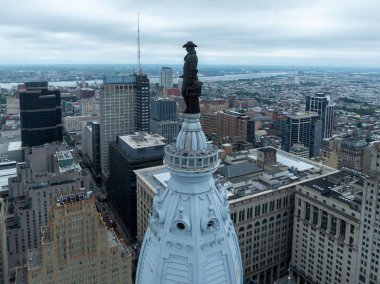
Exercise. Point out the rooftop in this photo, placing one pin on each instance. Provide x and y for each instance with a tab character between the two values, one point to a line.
156	176
34	259
14	146
240	169
355	143
305	114
289	170
66	162
330	190
63	155
73	197
288	160
235	113
143	140
7	170
267	149
130	79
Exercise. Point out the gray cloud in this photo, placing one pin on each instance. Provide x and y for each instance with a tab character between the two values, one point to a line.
319	32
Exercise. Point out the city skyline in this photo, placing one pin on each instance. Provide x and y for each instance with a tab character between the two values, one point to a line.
319	33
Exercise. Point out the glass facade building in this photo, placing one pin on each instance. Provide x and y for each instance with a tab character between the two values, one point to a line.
321	104
304	129
129	153
40	114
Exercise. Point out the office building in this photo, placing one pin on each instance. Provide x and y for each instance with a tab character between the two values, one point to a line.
75	123
166	77
235	125
260	190
3	245
77	247
165	128
163	118
300	150
47	171
13	106
330	151
91	146
142	102
210	106
369	246
302	128
326	230
40	114
90	106
242	103
209	123
124	109
351	153
163	109
86	93
129	153
321	104
86	137
96	157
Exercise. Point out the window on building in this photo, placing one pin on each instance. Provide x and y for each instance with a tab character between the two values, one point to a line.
324	220
315	215
333	225
307	211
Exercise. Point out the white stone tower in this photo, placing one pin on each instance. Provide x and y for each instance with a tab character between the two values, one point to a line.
190	237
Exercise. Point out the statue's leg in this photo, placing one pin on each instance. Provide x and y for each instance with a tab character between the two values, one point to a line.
194	104
186	99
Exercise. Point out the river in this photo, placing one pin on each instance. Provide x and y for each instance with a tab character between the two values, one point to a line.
155	79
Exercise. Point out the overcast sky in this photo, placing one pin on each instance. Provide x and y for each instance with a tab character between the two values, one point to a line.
253	32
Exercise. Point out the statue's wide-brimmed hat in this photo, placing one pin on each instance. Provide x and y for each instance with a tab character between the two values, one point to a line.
190	44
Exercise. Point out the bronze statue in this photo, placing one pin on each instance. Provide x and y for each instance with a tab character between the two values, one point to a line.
191	87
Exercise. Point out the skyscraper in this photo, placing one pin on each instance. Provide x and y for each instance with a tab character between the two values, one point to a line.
77	247
91	146
40	114
47	171
124	109
369	246
129	153
3	244
142	103
166	77
321	104
96	147
163	114
326	230
302	128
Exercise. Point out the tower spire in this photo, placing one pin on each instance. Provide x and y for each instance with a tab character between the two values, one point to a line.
138	44
190	236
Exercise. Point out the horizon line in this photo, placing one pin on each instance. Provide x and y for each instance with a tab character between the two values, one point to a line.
207	64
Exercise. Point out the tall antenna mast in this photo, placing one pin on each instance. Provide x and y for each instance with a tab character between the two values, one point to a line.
138	44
